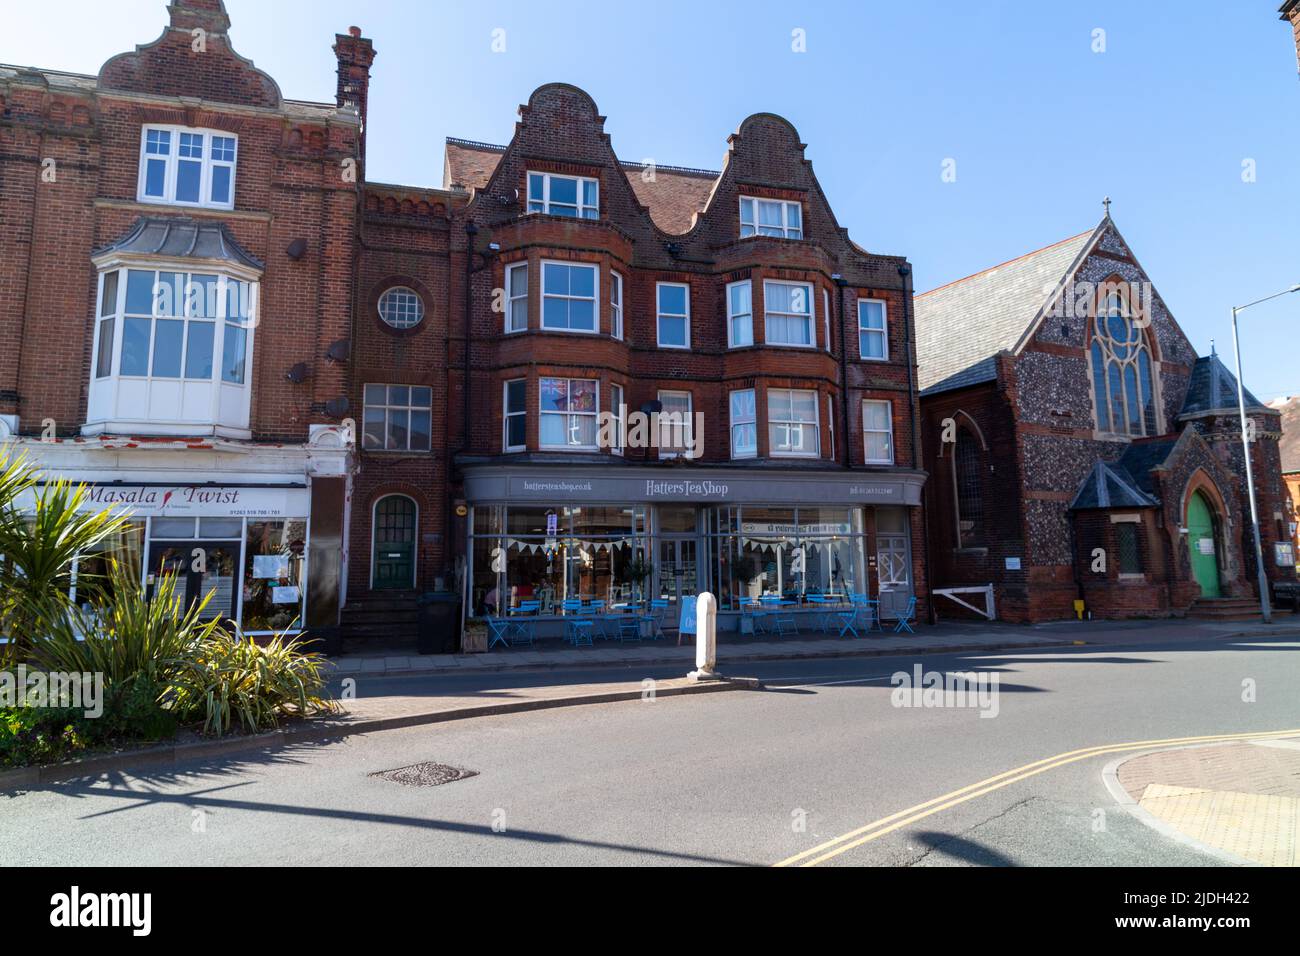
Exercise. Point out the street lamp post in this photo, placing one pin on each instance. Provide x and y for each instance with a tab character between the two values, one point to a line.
1245	449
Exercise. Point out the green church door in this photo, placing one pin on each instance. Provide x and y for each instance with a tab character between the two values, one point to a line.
1200	539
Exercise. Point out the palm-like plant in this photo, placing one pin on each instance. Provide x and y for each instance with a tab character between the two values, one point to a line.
37	551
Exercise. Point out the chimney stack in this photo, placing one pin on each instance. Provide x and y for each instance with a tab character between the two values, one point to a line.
355	54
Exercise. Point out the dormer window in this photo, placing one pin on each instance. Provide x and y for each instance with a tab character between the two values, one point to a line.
187	167
559	195
770	217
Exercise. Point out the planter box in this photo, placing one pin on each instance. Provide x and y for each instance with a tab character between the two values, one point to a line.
474	642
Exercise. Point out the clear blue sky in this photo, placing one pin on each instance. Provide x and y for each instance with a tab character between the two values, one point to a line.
1040	126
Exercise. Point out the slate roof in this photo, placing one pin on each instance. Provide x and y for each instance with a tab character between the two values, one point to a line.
673	197
1111	485
182	238
961	326
1212	387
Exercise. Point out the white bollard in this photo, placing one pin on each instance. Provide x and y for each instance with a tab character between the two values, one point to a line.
706	639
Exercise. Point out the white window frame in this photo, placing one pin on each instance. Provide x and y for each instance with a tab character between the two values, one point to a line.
406	291
811	317
172	162
595	297
507	414
687	430
753	224
660	316
616	304
409	408
883	331
815	423
732	343
514	296
753	423
830	422
547	203
616	410
887	432
594	415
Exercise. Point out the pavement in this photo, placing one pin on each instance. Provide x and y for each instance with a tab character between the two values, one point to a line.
823	764
1239	801
734	649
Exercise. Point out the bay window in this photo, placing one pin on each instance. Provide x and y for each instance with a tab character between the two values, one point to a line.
740	314
792	423
676	425
568	413
171	351
569	297
183	166
616	305
744	428
788	313
517	297
514	416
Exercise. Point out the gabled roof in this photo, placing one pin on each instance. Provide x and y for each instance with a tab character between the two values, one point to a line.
674	195
961	326
181	238
1111	485
1213	388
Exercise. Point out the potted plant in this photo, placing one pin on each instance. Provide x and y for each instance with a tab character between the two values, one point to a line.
473	639
745	570
638	569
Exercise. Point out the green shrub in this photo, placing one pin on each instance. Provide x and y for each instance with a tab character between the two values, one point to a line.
31	735
233	678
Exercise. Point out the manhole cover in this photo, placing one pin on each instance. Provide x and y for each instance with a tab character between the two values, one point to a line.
425	774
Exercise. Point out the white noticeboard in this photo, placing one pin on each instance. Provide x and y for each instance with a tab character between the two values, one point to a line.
270	565
1013	564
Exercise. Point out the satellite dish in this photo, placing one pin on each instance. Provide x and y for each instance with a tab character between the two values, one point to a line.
339	351
337	407
298	373
297	249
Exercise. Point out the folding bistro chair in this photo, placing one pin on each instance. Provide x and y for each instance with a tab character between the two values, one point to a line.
658	609
498	631
578	631
848	622
905	617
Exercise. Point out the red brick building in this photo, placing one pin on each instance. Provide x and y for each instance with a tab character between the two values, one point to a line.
1079	450
524	384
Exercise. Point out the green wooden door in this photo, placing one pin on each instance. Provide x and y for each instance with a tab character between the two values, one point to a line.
394	557
1200	539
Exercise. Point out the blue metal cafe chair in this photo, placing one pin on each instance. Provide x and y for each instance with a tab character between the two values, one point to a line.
904	618
499	631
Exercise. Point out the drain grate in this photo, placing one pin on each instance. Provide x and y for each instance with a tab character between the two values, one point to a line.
425	774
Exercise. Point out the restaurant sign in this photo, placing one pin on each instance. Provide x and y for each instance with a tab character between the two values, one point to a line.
227	501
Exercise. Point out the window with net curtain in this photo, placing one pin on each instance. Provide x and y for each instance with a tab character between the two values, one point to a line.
1122	384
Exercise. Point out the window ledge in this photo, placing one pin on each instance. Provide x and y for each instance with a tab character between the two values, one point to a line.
165	430
972	552
153	207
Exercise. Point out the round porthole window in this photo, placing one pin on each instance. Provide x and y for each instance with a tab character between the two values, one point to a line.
401	308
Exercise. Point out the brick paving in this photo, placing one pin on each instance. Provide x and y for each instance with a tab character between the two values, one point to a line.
1241	797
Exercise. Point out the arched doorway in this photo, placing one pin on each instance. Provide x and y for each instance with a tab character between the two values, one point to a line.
392	556
1201	542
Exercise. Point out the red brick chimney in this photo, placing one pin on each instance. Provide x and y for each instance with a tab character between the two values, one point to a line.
355	54
209	15
1290	11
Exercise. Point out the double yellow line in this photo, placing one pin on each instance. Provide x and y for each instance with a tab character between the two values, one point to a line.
896	821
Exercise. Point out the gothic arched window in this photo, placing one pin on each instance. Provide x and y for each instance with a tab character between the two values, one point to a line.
1122	384
967	489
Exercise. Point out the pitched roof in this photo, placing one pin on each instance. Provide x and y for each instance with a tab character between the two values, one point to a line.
1290	443
182	238
674	195
1110	485
1212	388
961	326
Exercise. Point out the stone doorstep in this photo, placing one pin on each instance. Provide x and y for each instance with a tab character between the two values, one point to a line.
319	729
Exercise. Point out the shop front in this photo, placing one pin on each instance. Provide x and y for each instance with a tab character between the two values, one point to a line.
555	540
263	544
